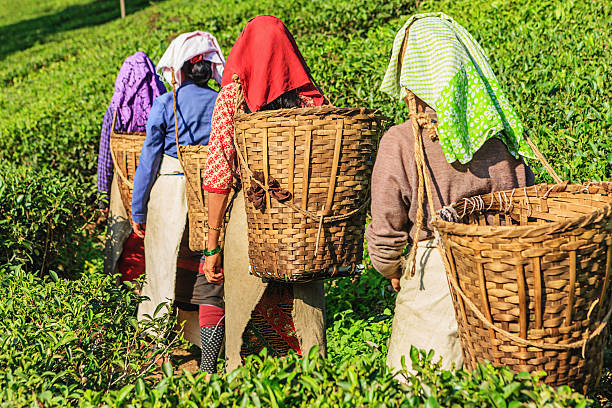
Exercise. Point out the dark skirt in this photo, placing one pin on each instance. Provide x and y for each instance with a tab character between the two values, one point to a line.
191	285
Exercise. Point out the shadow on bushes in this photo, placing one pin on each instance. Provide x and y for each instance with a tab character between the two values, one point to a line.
26	33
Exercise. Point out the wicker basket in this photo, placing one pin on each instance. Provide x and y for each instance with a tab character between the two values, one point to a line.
323	157
194	162
125	150
529	271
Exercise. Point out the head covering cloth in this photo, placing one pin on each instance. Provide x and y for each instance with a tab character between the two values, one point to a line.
185	47
446	68
136	86
268	62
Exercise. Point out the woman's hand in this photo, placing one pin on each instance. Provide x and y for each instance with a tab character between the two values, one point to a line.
395	283
213	270
139	228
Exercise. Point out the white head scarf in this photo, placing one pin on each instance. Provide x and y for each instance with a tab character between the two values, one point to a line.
186	46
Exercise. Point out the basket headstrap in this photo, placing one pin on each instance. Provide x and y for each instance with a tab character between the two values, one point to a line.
114	121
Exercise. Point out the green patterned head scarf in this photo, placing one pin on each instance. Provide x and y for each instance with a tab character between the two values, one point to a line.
445	67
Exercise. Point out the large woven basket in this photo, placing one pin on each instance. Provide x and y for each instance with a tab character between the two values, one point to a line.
529	271
323	156
193	159
125	150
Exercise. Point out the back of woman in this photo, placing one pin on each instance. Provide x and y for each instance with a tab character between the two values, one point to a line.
267	68
136	86
471	143
159	204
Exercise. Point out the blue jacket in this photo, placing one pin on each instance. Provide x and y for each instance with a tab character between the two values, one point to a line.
194	108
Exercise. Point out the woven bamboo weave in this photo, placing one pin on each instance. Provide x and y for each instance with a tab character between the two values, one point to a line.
125	150
194	162
529	272
323	156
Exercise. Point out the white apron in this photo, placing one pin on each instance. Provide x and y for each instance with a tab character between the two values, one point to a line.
117	231
166	220
424	314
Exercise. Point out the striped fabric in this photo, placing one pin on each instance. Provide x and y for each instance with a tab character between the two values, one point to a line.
445	67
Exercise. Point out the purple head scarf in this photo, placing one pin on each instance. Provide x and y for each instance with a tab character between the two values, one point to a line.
136	87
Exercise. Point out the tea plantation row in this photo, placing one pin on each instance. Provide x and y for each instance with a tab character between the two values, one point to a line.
67	333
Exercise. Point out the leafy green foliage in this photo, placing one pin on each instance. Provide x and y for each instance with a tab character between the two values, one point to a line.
59	337
364	382
75	342
42	213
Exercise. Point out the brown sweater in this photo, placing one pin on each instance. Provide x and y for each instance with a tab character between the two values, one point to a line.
394	190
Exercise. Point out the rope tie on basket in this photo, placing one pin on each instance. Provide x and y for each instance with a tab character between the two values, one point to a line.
527	200
116	165
448	213
491	203
320	218
525	342
585	189
509	204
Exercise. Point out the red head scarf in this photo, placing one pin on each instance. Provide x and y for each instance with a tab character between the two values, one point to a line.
267	60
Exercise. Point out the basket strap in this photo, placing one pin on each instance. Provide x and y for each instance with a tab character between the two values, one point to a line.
321	219
524	342
542	160
115	164
119	171
423	178
178	147
114	121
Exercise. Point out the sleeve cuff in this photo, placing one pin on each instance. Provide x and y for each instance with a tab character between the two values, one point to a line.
139	218
217	190
389	269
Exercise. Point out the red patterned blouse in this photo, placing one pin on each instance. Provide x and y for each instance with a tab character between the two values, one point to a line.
221	160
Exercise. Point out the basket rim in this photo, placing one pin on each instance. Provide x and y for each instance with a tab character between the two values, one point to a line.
311	110
456	228
127	134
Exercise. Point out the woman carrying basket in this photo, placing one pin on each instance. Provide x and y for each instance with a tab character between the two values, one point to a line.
136	86
266	67
471	144
159	204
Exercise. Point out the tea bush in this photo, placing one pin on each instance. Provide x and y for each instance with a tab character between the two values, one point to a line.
364	382
59	337
42	215
68	335
76	342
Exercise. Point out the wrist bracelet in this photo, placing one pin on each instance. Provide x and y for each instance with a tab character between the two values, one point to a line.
213	251
207	225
